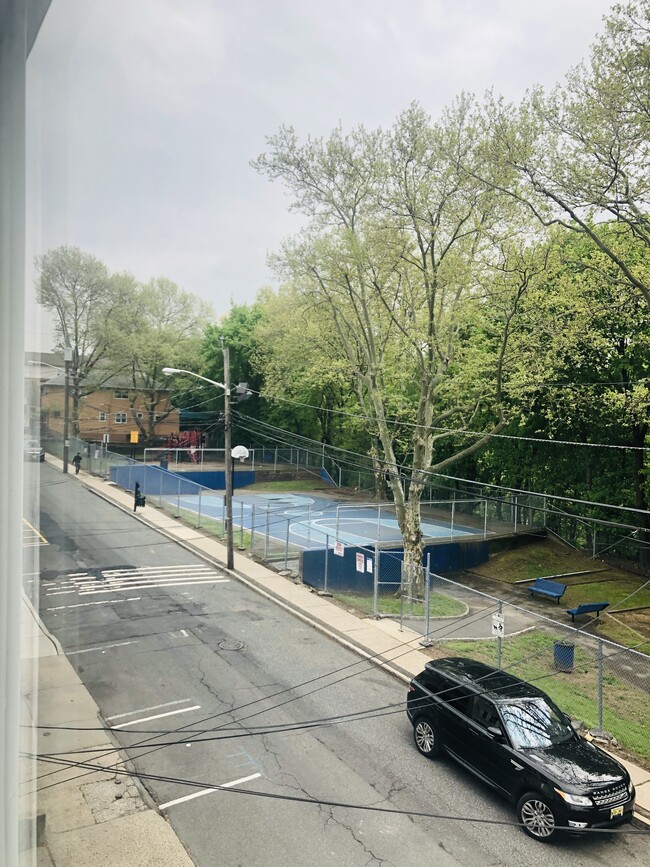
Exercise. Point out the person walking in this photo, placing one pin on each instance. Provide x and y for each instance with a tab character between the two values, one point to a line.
76	460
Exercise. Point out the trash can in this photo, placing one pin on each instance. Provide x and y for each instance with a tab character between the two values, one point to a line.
164	465
563	655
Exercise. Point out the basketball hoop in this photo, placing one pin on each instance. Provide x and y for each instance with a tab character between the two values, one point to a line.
240	452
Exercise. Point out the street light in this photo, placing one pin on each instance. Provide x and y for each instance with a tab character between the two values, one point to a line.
67	358
169	371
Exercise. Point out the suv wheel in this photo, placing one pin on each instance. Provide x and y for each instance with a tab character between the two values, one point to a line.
536	816
426	737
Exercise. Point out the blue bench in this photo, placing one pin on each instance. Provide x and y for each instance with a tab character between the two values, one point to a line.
548	588
586	608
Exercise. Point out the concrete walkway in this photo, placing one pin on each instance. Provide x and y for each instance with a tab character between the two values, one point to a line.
79	831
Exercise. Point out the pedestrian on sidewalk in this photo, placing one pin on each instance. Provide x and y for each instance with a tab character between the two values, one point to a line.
76	460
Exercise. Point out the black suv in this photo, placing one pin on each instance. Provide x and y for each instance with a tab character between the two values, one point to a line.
512	736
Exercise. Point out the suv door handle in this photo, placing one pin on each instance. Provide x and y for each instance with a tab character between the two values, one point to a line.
517	765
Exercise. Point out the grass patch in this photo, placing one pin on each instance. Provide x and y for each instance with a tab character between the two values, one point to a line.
535	560
439	605
530	657
214	527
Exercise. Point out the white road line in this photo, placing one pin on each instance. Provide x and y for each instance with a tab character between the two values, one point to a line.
145	709
135	722
151	586
107	582
103	647
207	791
101	602
142	569
60	592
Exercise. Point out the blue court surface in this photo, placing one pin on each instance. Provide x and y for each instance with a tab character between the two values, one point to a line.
311	522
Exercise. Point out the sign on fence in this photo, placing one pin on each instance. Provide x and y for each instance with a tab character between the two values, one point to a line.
361	563
338	549
498	624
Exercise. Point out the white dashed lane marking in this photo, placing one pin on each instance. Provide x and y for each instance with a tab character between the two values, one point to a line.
207	791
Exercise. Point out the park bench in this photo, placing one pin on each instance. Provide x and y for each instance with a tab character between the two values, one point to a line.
548	588
586	608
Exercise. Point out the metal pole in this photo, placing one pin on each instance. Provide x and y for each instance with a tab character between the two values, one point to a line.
286	547
67	355
600	684
178	499
266	534
327	550
453	507
499	638
228	458
309	525
337	522
515	513
485	503
241	524
275	459
427	595
160	473
375	589
379	522
252	525
593	552
198	520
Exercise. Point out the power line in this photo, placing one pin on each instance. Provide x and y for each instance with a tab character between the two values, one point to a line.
93	768
450	431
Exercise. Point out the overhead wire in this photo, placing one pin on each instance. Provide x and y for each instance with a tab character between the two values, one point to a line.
199	784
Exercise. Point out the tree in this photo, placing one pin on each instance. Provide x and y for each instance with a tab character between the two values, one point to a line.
419	268
162	327
79	290
579	156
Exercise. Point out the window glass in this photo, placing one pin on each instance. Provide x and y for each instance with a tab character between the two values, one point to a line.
535	722
120	418
484	712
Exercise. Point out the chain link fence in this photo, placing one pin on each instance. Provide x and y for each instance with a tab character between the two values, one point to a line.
604	685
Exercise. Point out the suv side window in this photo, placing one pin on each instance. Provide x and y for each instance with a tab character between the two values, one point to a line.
484	712
458	698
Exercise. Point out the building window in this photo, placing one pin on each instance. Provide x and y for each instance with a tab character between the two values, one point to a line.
139	415
103	416
121	393
120	418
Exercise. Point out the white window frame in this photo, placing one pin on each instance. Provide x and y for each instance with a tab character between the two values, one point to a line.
121	417
121	393
103	416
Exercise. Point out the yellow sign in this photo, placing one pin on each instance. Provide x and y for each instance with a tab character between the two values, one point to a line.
134	436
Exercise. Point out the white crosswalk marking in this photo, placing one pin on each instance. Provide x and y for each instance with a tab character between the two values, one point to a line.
116	580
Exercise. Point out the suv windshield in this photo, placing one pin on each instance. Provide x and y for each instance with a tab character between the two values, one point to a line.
533	722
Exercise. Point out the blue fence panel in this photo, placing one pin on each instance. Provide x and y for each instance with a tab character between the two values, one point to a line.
342	571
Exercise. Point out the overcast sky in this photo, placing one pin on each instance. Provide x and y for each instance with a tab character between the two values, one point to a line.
143	115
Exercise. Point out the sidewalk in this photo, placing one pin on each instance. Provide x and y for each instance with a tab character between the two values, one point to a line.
76	833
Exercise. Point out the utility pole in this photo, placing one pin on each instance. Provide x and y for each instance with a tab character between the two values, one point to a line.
228	465
67	358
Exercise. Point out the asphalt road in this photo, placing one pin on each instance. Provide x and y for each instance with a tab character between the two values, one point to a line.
153	630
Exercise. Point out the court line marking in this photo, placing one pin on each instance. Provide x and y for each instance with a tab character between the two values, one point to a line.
144	719
103	647
145	709
207	791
